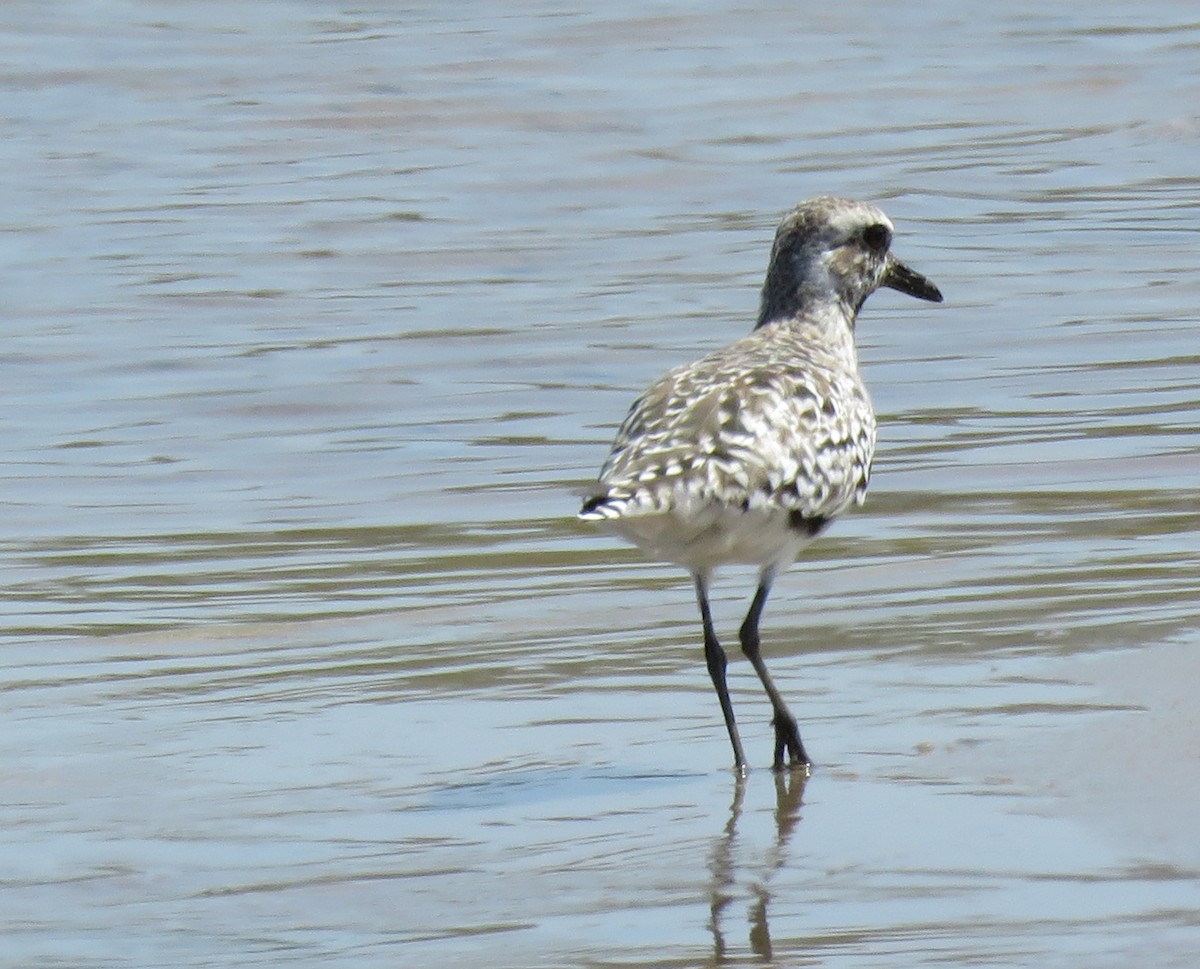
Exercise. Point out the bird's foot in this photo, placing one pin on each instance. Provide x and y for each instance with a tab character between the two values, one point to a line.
789	750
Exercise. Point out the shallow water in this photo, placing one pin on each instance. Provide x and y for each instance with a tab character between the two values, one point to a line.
315	320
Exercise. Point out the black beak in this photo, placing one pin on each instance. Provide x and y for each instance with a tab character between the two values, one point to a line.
898	276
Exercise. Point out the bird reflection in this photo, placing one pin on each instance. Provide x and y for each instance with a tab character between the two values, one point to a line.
725	869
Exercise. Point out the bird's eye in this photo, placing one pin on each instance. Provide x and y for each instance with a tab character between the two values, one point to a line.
877	237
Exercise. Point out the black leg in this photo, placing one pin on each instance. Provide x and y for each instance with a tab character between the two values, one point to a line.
714	657
787	734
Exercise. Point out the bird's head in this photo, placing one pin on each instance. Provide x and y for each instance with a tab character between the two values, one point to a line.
834	250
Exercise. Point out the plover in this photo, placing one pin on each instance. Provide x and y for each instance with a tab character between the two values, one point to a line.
747	454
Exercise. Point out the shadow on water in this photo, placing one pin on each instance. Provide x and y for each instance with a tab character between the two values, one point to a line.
726	867
606	807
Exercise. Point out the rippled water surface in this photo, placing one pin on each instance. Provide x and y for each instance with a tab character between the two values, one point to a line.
315	319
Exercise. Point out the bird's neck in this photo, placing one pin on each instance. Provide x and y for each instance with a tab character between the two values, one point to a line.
814	302
802	305
791	294
827	324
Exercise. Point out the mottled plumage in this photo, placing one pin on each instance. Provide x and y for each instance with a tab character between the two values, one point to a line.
776	429
746	454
